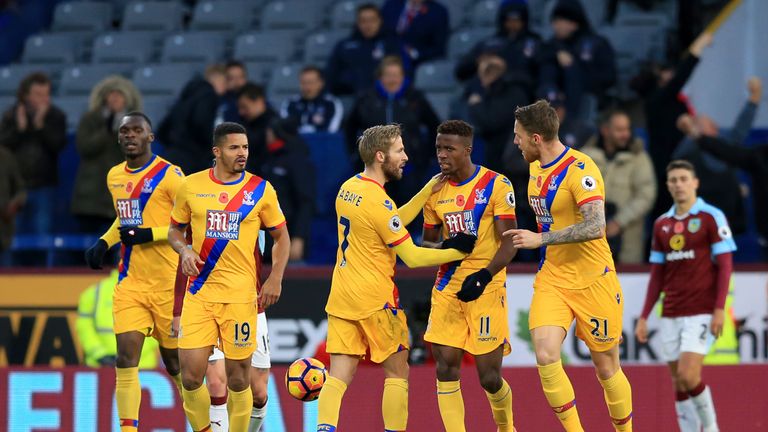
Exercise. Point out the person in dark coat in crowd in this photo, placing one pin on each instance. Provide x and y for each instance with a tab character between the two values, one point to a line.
237	76
288	167
394	100
188	127
13	196
35	131
576	61
97	146
664	103
422	24
256	114
514	42
313	109
352	65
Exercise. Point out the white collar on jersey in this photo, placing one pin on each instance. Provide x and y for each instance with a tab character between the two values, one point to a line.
695	209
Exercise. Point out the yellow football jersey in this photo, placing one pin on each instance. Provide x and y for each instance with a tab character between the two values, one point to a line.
471	207
555	192
369	226
225	219
143	197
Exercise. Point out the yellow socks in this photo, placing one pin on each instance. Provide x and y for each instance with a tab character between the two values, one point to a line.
128	396
239	405
329	404
451	405
618	397
394	404
177	380
197	407
559	393
501	406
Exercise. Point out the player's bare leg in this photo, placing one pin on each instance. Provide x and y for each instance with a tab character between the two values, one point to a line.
216	381
616	388
127	387
547	342
240	399
170	358
259	382
496	388
687	417
449	399
688	377
394	403
340	374
197	400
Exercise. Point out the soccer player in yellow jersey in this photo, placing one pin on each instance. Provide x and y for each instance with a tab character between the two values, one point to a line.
143	189
469	308
364	312
576	278
224	207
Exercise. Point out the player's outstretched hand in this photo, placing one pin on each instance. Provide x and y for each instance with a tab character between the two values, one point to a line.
131	236
641	330
270	292
94	256
524	239
175	325
474	285
438	181
461	241
190	262
716	326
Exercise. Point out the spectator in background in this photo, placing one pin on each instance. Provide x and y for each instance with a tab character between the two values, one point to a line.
487	99
97	147
12	199
664	103
393	100
421	24
753	160
237	77
256	114
95	327
630	185
314	109
35	132
576	61
289	169
188	127
514	42
352	65
574	131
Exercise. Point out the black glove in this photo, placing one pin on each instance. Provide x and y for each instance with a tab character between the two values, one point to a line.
131	236
461	241
474	285
108	360
94	256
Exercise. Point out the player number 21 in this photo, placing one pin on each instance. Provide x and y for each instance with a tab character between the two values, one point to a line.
596	331
242	332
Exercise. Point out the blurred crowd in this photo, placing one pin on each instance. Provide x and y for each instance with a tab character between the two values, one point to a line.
374	68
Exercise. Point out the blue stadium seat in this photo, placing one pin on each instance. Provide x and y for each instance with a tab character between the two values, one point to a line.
156	107
259	72
82	16
318	46
193	47
264	47
79	80
11	76
484	13
436	76
290	14
6	102
123	47
456	11
462	41
441	103
74	107
153	15
223	15
343	14
162	79
51	48
283	83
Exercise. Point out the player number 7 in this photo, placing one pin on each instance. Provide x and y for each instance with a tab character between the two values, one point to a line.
345	243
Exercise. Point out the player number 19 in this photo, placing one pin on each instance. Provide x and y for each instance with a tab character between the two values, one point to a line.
242	332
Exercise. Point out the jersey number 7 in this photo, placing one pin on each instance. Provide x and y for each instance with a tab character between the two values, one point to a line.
344	243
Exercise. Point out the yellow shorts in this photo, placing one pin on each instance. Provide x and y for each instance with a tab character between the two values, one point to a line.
383	333
230	325
477	327
598	310
148	312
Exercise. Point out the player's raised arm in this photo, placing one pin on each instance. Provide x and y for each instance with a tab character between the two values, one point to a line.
412	208
415	256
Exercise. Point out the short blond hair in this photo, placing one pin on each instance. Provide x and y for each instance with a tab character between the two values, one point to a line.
377	139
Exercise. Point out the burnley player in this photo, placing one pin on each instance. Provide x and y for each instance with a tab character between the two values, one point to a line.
691	262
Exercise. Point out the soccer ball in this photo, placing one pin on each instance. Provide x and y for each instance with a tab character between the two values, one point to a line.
305	378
